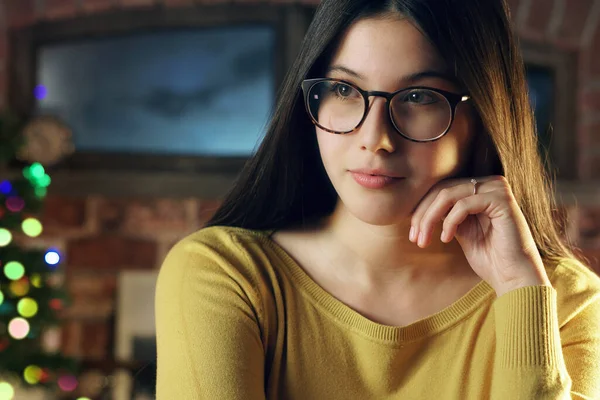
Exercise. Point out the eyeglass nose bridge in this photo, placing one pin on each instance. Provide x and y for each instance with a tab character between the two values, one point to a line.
367	94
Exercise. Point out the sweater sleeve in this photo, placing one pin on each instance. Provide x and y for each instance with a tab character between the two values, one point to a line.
207	328
537	360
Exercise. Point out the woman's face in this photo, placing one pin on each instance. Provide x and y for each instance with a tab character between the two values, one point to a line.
386	54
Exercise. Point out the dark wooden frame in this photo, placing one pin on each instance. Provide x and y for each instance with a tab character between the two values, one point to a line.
148	175
563	148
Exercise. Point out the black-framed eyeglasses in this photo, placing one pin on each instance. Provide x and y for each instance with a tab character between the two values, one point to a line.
418	113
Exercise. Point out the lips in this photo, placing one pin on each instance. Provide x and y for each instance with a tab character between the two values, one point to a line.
376	172
373	179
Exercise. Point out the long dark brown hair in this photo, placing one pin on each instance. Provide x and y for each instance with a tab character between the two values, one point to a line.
284	184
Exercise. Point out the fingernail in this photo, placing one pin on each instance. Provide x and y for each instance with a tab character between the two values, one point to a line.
443	236
421	238
411	234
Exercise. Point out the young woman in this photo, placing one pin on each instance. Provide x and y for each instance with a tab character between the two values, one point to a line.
392	238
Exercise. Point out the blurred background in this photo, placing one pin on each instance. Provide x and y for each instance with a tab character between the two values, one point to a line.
122	124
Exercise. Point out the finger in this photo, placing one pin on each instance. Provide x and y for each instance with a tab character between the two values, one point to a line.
424	205
464	207
437	210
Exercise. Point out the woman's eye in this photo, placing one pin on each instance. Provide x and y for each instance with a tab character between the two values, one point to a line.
421	97
342	90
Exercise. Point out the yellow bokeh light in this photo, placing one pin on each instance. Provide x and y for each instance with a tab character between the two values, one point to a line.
36	280
32	374
27	307
32	227
6	391
19	288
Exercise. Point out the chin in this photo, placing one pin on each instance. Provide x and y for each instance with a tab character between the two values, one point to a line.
376	212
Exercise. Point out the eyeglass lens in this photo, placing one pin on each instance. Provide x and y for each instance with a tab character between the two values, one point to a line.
419	114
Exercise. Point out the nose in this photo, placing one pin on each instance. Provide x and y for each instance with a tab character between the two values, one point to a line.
376	131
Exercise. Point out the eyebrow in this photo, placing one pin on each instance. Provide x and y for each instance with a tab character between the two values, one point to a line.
410	79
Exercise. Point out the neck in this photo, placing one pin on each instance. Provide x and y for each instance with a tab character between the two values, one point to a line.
377	254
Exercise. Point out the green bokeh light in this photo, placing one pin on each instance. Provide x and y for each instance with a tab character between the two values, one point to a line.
14	270
1	297
32	227
37	170
5	237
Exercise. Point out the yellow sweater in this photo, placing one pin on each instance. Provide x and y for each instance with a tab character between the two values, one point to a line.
237	318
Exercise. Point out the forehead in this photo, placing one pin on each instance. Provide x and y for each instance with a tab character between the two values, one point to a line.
386	47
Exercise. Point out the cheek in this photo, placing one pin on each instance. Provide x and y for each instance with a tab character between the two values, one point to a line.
331	148
446	156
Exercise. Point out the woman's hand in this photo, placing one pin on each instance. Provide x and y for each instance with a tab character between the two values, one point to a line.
490	228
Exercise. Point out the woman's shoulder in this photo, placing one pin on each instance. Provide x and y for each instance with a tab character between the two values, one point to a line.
219	245
577	286
223	237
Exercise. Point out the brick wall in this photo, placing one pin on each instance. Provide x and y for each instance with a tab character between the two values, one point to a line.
102	236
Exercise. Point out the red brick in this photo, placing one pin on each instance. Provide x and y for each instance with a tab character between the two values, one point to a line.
178	3
71	338
592	258
3	45
207	209
592	166
590	101
92	284
539	16
86	307
589	227
111	253
137	3
95	340
594	55
3	86
20	12
574	19
95	6
135	216
61	213
56	9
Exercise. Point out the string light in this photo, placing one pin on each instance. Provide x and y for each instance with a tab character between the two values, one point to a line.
5	237
18	328
40	92
5	187
36	174
32	227
52	257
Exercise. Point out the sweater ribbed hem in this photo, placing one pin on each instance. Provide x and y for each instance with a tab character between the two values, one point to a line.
527	328
336	309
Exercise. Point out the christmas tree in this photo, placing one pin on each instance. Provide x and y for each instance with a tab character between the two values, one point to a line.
31	296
